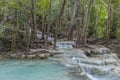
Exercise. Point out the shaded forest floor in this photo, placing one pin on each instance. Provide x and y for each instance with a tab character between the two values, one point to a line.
113	45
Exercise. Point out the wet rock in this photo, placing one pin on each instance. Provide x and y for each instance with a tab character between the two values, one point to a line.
65	44
48	54
41	56
31	56
13	56
117	71
53	52
23	56
99	61
1	57
35	51
89	52
105	50
83	76
91	61
97	71
80	54
112	55
96	50
111	61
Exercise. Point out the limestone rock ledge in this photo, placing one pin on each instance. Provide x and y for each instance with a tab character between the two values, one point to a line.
32	54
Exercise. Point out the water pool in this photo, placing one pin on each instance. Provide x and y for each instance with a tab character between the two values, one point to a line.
32	70
42	70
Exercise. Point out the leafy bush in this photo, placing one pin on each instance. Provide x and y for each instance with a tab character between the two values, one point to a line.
2	30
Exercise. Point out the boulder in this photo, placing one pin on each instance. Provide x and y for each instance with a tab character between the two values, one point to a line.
117	71
42	56
97	71
23	56
105	50
13	56
1	57
31	56
111	61
96	50
91	61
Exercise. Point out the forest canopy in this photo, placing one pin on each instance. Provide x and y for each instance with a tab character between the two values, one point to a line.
23	21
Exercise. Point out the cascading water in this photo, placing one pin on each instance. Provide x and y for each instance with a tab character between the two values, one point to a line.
79	67
101	67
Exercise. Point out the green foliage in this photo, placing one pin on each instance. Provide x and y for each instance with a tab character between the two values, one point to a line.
101	16
2	30
98	16
42	6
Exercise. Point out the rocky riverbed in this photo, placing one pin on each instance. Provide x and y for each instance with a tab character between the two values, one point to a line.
92	63
32	54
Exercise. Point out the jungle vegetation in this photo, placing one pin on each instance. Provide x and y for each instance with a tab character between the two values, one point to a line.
81	21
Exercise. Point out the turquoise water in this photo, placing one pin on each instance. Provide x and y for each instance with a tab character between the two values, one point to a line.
32	70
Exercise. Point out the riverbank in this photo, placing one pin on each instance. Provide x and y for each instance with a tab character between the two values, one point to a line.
113	45
97	47
32	54
92	62
101	65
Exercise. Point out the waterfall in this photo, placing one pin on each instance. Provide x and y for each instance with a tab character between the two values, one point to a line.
102	67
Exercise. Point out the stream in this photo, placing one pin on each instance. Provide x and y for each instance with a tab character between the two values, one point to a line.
33	70
72	64
101	67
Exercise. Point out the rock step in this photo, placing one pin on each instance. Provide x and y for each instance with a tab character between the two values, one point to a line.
34	51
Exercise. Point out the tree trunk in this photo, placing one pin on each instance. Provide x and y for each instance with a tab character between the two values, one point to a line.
109	21
14	33
33	19
49	24
86	22
27	36
65	24
4	18
58	23
43	26
80	28
76	3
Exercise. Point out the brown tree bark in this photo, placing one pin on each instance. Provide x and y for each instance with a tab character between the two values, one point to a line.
86	22
76	3
43	26
27	36
109	21
49	24
33	20
65	24
4	18
58	22
14	32
80	28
